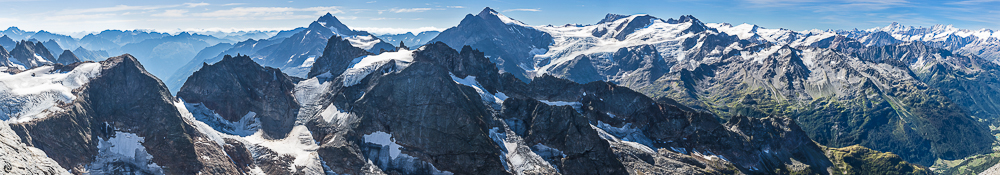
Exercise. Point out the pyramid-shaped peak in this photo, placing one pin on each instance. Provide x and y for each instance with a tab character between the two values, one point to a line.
487	11
688	18
327	18
492	15
330	21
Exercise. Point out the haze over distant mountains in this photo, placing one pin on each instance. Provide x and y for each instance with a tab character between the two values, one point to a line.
629	94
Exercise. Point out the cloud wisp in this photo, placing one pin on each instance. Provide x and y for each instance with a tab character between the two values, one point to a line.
523	10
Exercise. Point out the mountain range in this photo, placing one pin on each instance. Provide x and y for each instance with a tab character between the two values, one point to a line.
630	94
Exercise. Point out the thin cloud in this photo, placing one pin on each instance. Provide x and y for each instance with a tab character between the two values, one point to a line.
77	17
232	4
117	8
822	6
972	2
523	10
456	7
171	13
369	2
411	10
196	4
270	13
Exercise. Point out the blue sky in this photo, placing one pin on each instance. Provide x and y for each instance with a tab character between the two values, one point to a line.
382	16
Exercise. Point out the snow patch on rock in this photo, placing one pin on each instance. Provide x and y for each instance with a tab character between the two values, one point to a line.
389	156
299	144
362	66
331	112
246	126
123	147
576	105
517	157
491	100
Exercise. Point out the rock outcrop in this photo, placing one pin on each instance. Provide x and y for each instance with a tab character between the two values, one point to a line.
237	88
31	55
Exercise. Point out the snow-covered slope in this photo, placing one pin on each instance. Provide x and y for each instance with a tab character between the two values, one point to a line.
35	93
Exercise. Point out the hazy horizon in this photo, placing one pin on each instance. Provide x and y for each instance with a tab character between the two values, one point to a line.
393	17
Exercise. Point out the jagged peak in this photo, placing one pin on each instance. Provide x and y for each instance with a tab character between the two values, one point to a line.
612	17
895	26
238	60
13	29
684	19
327	15
329	19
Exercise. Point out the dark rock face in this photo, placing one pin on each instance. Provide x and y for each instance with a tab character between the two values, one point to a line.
467	62
582	150
67	57
594	128
25	53
337	56
424	104
5	58
237	86
123	99
751	145
419	106
509	45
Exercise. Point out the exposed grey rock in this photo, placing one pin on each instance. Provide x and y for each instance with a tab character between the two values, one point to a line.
237	87
31	55
18	158
67	57
5	58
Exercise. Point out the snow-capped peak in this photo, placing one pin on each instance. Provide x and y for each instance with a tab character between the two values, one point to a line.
612	17
488	12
